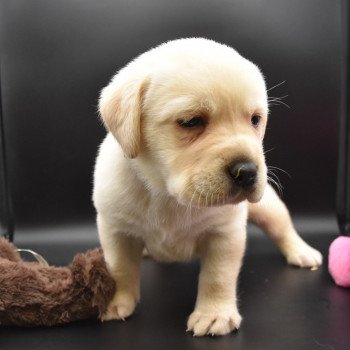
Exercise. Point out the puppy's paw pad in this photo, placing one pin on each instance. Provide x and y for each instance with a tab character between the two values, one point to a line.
304	256
216	323
119	309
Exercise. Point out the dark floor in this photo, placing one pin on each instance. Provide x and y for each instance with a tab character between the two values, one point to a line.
283	307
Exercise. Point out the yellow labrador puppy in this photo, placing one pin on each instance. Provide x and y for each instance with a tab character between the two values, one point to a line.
181	170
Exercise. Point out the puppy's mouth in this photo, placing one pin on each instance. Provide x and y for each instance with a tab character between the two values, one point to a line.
214	200
239	183
252	194
211	197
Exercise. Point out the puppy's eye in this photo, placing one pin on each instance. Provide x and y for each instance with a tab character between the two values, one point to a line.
255	120
194	122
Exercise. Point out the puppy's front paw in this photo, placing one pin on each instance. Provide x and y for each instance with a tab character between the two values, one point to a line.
214	323
121	307
302	255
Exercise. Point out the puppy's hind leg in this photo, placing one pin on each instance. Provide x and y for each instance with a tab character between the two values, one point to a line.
272	216
123	255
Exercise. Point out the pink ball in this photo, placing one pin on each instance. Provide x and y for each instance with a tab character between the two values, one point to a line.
339	261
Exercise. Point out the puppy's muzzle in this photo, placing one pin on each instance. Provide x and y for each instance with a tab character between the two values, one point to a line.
243	174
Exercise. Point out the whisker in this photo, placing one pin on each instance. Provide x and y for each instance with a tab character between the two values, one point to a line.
269	150
223	200
199	197
272	98
272	181
276	179
277	103
211	199
284	104
279	84
273	101
189	206
217	198
273	178
274	104
206	197
271	167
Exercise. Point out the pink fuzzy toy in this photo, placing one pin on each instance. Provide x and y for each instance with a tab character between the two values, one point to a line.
339	261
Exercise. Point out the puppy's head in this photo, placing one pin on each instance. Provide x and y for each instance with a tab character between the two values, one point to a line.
191	115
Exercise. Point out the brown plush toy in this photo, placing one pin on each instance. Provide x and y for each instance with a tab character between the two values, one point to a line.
35	295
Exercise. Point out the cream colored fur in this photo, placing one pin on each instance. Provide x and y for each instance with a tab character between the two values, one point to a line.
166	187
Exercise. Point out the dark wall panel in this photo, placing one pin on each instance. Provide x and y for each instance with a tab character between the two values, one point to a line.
57	55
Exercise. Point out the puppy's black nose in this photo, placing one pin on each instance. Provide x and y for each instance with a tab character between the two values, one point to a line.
243	174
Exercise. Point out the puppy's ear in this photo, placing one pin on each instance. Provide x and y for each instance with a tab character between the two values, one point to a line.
120	107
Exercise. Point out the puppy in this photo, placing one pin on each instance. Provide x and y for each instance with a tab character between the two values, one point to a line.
181	170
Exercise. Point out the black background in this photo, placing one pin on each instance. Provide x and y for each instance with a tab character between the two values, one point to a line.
57	55
55	58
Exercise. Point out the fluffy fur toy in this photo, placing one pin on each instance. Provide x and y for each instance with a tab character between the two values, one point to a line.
339	261
35	295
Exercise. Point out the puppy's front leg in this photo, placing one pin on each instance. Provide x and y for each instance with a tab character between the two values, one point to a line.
216	310
123	254
271	215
